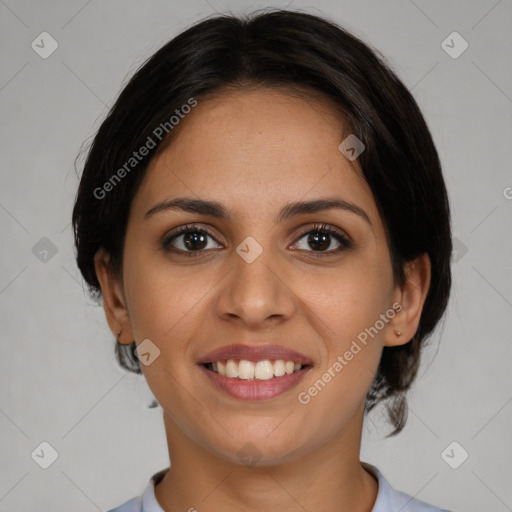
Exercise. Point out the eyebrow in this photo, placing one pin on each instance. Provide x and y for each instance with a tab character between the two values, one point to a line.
216	209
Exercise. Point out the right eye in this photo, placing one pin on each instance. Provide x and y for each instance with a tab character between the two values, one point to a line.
191	241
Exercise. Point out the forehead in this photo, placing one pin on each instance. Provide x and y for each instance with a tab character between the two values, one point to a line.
253	151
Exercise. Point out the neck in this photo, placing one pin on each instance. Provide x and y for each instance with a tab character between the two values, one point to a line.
329	478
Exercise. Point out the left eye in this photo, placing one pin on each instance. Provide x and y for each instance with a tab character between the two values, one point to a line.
321	237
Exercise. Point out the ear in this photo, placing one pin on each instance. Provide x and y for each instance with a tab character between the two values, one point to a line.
411	297
114	301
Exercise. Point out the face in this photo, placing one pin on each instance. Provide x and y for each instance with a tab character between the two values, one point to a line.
263	284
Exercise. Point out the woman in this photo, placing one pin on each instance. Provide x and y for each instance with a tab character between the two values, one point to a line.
264	215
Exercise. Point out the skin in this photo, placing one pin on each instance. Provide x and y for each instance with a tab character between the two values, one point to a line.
254	151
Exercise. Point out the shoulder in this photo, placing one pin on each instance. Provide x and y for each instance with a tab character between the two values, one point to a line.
133	505
147	501
390	500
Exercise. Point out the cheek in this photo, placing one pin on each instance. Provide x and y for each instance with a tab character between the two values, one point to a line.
163	302
350	316
351	300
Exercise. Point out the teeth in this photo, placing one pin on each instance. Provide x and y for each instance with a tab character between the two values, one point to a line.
245	370
231	369
279	368
262	370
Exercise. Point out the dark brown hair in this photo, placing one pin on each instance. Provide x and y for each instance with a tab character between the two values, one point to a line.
293	50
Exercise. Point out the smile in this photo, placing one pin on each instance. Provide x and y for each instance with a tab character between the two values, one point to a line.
249	370
254	372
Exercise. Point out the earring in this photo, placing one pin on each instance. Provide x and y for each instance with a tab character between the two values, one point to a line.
397	332
118	335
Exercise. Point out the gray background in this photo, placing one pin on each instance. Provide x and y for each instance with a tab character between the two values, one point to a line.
60	382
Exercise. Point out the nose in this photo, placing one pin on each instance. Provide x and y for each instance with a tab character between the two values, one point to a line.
256	294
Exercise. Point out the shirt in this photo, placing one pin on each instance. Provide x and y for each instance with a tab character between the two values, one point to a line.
388	499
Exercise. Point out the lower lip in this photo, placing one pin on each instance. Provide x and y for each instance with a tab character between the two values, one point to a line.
255	389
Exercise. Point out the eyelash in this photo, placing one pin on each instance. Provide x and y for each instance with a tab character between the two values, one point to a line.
323	229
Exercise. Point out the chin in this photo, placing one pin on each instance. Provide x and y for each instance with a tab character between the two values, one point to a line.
259	451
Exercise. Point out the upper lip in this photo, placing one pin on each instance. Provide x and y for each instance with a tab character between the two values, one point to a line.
254	353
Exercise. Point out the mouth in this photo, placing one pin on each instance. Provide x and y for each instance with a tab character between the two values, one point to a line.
254	373
254	370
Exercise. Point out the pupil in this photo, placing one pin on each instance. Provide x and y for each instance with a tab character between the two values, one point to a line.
191	240
319	238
